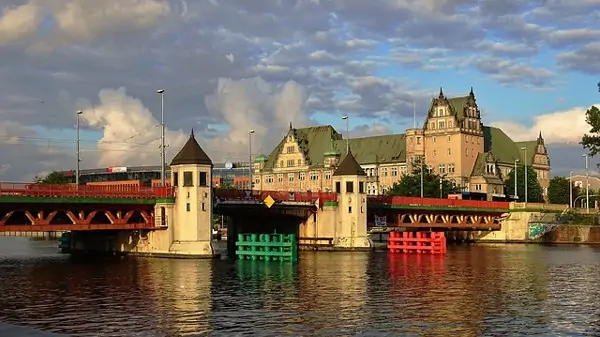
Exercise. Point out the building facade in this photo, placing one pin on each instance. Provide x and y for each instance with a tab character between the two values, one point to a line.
453	142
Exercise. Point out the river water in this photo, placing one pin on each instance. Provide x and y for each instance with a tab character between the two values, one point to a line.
481	290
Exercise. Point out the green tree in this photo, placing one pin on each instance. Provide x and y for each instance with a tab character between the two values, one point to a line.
591	142
54	177
534	190
558	190
410	184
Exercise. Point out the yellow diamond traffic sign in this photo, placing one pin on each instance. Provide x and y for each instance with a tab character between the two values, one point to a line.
269	201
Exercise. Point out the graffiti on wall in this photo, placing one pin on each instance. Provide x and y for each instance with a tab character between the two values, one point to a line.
537	230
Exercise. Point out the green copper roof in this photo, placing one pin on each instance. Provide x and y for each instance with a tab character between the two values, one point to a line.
377	149
504	149
260	158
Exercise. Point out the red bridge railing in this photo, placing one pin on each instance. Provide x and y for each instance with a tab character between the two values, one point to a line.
71	190
416	201
228	194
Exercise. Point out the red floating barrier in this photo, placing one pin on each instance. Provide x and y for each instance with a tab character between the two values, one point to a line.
417	242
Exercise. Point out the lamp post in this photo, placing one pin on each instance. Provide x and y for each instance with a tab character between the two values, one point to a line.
516	195
587	185
422	163
571	189
161	92
78	149
345	117
525	169
251	167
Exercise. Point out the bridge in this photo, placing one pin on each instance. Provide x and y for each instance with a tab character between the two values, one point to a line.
67	207
45	207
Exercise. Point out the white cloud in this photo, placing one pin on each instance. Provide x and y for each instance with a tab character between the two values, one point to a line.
130	134
19	22
566	126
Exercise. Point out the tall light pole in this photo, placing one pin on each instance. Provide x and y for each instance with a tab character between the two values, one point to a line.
250	132
78	149
571	189
587	185
525	169
422	163
516	195
161	92
345	117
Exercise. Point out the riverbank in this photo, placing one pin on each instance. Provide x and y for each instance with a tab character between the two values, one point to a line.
9	330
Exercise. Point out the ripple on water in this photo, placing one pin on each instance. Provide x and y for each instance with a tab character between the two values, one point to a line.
472	291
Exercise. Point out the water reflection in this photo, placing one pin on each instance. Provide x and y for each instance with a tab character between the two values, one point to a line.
499	290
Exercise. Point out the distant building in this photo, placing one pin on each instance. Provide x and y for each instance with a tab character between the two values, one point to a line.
453	142
228	174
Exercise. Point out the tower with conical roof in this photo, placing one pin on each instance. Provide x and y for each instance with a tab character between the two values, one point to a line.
191	176
350	180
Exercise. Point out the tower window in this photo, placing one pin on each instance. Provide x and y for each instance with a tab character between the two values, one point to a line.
349	187
203	180
188	179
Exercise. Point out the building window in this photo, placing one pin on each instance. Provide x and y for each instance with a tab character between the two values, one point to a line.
449	139
301	176
442	124
290	163
467	152
328	175
418	140
433	139
188	207
290	138
429	168
361	187
269	179
290	149
477	187
434	153
466	139
449	125
290	177
349	209
281	163
450	168
280	178
338	187
442	169
314	176
349	187
257	180
403	170
384	172
394	171
175	179
449	152
203	180
188	179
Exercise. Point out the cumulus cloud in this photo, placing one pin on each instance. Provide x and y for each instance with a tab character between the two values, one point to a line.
130	134
254	104
19	22
567	126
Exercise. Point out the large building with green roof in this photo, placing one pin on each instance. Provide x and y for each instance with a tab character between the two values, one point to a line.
452	142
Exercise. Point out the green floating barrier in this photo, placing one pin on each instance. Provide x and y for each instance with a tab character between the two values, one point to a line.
65	243
267	247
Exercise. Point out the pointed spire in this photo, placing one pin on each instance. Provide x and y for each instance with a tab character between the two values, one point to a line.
441	93
291	126
192	134
471	92
191	153
349	167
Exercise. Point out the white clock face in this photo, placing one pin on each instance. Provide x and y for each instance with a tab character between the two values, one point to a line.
229	165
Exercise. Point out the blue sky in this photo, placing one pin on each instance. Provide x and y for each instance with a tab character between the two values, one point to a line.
229	66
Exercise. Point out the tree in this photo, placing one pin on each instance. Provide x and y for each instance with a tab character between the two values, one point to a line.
558	190
534	190
54	177
591	142
410	185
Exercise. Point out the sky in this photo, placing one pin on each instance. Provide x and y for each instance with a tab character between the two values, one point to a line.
228	66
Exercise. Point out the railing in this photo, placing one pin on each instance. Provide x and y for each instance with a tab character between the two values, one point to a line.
228	194
416	201
71	190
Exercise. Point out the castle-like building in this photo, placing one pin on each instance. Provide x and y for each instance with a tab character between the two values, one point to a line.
452	142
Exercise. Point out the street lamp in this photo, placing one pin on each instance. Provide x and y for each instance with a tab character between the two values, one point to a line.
161	92
78	149
587	184
250	132
524	149
345	117
571	189
516	195
422	163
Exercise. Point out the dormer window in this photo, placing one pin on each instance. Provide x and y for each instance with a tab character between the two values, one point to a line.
440	112
490	169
